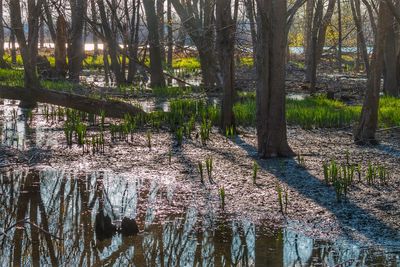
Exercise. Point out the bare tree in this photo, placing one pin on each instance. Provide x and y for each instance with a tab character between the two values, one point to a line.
226	49
76	48
198	19
28	46
366	129
156	71
271	58
318	34
60	49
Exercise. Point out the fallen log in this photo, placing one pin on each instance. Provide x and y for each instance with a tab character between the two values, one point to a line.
111	108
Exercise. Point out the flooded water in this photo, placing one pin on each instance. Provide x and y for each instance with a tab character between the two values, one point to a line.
52	217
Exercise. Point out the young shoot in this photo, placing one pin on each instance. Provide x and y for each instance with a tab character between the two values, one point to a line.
148	135
255	171
209	167
222	197
200	165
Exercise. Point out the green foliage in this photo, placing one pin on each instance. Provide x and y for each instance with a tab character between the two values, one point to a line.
319	112
179	136
301	161
283	197
247	62
255	171
171	91
230	131
222	197
148	135
200	166
190	63
209	167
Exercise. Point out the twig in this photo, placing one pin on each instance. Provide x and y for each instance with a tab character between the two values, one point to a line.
388	129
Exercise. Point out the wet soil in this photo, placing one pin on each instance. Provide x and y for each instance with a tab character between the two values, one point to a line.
370	215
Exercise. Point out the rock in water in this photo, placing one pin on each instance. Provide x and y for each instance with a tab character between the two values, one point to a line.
104	227
129	227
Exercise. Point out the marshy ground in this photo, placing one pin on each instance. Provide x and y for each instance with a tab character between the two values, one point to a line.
151	172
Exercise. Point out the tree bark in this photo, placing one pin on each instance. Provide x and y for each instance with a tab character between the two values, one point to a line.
28	47
391	86
2	61
226	50
198	22
60	49
320	25
76	48
271	56
357	16
366	129
156	72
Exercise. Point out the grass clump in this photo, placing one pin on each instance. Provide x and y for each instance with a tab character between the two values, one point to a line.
171	91
190	63
283	197
222	197
256	167
209	167
319	112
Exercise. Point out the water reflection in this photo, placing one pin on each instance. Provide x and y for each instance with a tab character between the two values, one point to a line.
48	218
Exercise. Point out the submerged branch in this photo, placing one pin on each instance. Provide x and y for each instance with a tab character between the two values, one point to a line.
112	108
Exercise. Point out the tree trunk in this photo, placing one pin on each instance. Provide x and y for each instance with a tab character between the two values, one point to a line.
41	33
60	49
391	86
170	41
156	72
250	15
28	47
356	11
112	43
161	23
366	129
308	31
340	37
134	42
13	48
112	108
271	49
76	48
94	38
320	25
226	48
2	61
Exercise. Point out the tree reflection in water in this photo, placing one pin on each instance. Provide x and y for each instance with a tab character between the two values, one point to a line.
48	218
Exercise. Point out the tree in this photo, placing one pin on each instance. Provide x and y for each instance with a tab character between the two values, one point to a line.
2	62
226	48
198	19
156	59
366	129
76	48
60	49
271	58
317	40
28	46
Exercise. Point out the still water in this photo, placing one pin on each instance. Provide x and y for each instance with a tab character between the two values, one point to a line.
48	218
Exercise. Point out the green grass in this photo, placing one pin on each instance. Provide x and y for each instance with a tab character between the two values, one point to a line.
190	63
320	112
247	62
15	78
10	77
171	91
